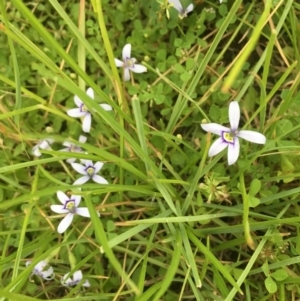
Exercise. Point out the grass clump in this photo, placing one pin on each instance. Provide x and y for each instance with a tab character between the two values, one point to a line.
163	216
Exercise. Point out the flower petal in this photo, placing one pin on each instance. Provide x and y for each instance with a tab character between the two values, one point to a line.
59	209
79	168
126	52
137	68
126	74
81	180
65	223
189	8
234	115
233	151
98	166
41	265
78	101
76	113
214	128
177	5
99	179
71	160
90	93
28	262
83	211
77	276
48	274
65	280
36	151
77	199
217	147
106	107
119	63
86	283
86	123
252	136
82	139
63	198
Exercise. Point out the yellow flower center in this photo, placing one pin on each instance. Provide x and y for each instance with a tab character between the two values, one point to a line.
228	137
84	108
90	170
70	205
129	62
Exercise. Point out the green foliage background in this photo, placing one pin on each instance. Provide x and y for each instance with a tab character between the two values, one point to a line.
175	224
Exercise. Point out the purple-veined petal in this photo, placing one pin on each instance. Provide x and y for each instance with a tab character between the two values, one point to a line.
106	107
119	63
83	211
126	74
82	139
137	68
234	115
98	166
77	276
76	113
252	136
233	151
189	8
81	180
98	179
177	5
78	101
90	93
65	223
79	168
86	123
63	198
214	128
77	199
126	52
217	147
59	209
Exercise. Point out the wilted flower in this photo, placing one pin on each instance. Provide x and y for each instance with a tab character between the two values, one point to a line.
82	110
69	206
67	280
230	136
89	171
40	270
44	144
129	63
73	148
181	11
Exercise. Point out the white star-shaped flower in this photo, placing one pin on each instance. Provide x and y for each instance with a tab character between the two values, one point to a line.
129	63
67	280
82	110
181	11
89	171
40	270
44	144
230	136
70	207
73	148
